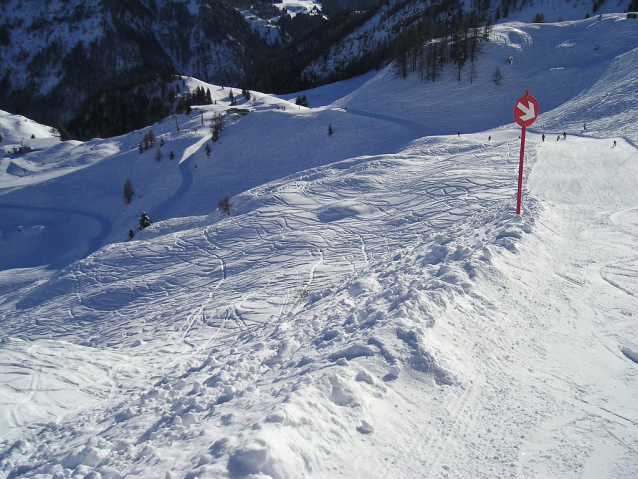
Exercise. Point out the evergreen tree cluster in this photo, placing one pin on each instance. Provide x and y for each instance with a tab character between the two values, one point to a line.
538	18
429	46
505	7
199	96
284	72
147	142
597	4
216	125
301	100
126	107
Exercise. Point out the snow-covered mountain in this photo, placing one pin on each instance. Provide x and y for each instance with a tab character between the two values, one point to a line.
371	307
61	59
56	54
379	33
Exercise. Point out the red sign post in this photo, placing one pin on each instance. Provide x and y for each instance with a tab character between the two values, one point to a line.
525	113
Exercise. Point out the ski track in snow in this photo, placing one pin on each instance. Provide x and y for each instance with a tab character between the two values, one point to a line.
426	207
378	314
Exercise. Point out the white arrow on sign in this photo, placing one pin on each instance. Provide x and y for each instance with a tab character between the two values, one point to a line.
529	111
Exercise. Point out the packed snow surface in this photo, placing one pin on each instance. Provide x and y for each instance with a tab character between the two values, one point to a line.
371	307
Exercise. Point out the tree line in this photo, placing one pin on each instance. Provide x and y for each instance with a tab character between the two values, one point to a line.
199	96
429	46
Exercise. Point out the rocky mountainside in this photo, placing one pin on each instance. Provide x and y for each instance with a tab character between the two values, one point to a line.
55	56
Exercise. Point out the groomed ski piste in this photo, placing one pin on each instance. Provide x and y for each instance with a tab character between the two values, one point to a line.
372	306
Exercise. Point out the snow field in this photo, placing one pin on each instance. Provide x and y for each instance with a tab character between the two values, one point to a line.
272	298
371	308
338	362
297	138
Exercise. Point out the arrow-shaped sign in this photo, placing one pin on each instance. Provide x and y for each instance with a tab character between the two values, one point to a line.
529	112
526	110
524	116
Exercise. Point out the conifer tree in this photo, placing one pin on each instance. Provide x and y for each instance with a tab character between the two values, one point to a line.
180	106
497	77
224	205
216	125
145	221
129	192
64	135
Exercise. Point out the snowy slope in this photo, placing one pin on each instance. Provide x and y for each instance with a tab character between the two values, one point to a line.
398	16
372	307
16	129
297	138
550	65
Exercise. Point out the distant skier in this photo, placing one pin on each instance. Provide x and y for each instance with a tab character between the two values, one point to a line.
614	144
543	137
489	138
564	135
558	138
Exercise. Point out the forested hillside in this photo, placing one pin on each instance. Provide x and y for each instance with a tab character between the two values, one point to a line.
74	64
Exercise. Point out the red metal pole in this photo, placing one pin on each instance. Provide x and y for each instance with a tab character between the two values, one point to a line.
520	174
